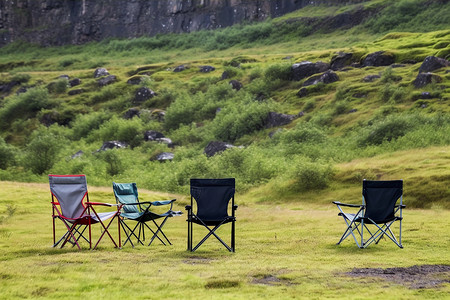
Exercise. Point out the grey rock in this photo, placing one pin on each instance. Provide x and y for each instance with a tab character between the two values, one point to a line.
164	156
131	113
180	68
378	59
303	92
112	145
143	94
110	79
432	63
236	85
74	82
341	60
305	69
326	78
152	135
215	147
206	69
424	79
78	154
100	72
371	78
276	119
76	92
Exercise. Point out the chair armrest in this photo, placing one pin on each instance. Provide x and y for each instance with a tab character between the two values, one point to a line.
165	202
235	207
348	205
188	207
401	206
102	204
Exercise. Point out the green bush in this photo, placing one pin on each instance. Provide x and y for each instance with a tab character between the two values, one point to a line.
239	119
128	131
114	165
7	155
388	129
84	124
42	151
24	105
58	87
311	176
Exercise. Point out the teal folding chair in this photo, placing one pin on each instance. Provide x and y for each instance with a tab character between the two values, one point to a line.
133	210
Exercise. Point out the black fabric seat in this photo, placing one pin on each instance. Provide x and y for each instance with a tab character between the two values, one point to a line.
379	209
212	198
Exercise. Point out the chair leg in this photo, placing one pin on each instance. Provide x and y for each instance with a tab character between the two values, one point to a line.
233	236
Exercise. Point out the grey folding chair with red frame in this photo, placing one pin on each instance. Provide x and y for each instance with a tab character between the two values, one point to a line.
379	211
71	205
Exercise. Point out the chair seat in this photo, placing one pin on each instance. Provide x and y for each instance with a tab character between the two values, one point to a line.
350	217
211	222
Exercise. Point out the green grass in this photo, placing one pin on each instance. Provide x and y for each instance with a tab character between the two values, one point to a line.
283	251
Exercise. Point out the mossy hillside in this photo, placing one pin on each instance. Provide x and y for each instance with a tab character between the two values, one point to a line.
343	121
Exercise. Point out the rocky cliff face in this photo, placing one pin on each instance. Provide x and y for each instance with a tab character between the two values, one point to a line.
59	22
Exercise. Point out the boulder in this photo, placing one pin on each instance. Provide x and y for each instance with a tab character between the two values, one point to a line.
424	79
235	85
225	75
326	78
64	77
303	92
142	94
135	80
100	72
425	95
164	156
180	68
76	92
371	78
432	63
74	82
131	113
21	90
305	69
341	60
152	135
276	119
111	145
110	79
78	154
206	69
7	87
378	59
215	147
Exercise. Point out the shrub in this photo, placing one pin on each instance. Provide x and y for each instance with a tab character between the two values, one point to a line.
84	124
128	131
114	165
387	129
239	119
23	105
311	176
42	151
58	87
7	154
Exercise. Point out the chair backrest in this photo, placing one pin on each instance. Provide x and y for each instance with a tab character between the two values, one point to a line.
212	197
380	198
69	190
126	193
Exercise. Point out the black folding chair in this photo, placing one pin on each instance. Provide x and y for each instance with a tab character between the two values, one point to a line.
379	210
212	198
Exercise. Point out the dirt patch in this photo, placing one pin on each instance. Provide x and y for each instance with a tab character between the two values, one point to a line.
269	279
415	277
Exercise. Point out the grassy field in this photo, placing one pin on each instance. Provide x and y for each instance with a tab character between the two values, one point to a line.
283	251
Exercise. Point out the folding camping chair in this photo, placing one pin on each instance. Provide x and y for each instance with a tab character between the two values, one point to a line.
378	209
212	197
132	209
68	193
